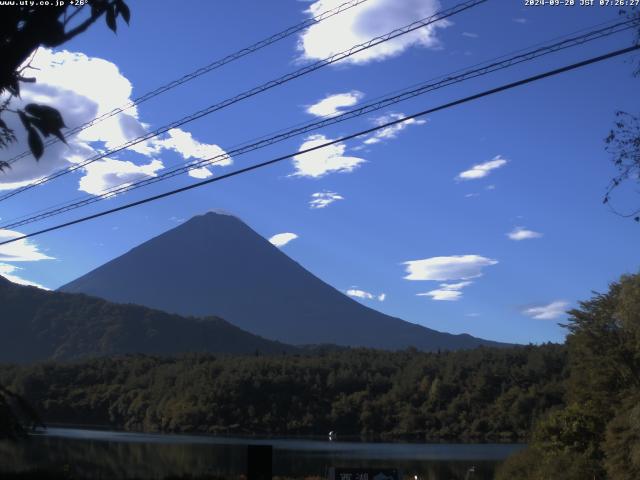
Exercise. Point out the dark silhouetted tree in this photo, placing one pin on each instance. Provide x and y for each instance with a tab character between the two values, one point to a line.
623	143
25	28
597	435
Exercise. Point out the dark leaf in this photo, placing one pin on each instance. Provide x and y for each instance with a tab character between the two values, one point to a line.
52	32
4	165
111	18
50	115
3	125
97	7
40	125
35	143
59	134
123	9
24	118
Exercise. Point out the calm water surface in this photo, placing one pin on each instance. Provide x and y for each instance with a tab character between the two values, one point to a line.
107	454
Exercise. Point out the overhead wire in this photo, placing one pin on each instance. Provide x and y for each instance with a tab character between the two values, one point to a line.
424	22
383	102
485	93
202	71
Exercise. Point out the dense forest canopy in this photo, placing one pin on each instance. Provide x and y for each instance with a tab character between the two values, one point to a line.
473	395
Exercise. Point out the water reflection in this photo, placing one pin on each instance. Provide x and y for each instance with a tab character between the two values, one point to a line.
105	455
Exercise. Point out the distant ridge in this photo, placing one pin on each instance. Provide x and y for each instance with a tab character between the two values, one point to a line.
38	325
214	264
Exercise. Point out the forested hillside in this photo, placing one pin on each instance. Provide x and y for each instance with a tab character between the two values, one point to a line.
39	325
467	395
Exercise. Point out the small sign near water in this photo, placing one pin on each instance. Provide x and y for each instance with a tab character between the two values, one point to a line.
337	473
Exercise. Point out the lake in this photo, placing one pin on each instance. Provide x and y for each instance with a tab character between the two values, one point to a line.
103	454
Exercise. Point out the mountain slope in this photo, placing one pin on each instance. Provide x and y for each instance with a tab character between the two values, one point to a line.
214	264
39	325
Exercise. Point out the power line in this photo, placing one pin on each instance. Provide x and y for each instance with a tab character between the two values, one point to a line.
454	103
256	90
203	70
502	63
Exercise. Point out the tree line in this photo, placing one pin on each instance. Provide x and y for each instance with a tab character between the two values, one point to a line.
473	395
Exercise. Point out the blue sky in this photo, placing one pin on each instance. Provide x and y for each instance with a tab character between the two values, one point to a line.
496	204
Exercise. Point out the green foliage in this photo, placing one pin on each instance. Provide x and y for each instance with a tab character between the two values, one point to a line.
352	391
597	435
622	442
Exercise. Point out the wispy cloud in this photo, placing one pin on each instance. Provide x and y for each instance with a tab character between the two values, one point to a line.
9	272
470	35
392	131
447	291
368	20
105	174
20	251
324	199
520	20
547	312
333	104
521	233
325	160
481	170
358	293
187	147
453	267
281	239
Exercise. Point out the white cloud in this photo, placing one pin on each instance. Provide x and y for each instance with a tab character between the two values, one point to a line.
20	251
324	160
333	104
84	87
547	312
447	291
454	267
108	173
482	169
200	173
368	20
187	147
520	20
281	239
356	292
392	131
75	84
470	34
472	314
8	272
521	233
324	199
